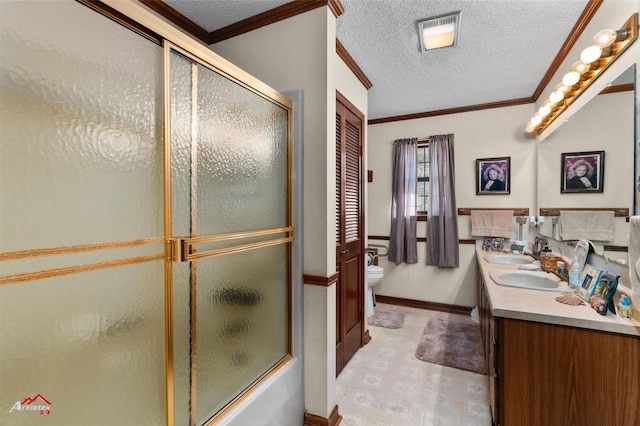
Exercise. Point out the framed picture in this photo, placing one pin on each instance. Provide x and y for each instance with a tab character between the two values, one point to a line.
582	172
602	297
493	176
588	282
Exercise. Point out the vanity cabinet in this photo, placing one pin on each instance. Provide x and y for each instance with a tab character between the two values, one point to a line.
548	374
489	340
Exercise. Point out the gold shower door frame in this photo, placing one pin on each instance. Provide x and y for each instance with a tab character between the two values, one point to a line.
185	249
168	247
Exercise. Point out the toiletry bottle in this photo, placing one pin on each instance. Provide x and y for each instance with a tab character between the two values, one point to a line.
574	273
624	307
544	258
562	269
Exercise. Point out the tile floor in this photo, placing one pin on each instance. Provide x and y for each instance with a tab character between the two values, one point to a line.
384	384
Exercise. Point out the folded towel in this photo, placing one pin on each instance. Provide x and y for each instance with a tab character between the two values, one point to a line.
530	267
590	225
492	223
634	259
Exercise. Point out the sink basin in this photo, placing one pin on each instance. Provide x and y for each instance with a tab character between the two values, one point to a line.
508	259
533	280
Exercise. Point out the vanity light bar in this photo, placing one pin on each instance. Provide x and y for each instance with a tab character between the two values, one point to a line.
607	46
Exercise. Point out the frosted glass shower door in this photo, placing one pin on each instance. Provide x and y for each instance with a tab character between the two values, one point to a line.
81	225
232	236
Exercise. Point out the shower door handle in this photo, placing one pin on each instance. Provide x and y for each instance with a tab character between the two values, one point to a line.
184	249
177	250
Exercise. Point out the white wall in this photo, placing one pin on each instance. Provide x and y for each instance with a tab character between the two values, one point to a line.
299	54
351	88
479	134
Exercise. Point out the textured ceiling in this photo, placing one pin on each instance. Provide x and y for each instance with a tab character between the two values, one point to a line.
215	14
504	48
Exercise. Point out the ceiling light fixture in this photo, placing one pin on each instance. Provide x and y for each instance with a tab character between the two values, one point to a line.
439	31
607	46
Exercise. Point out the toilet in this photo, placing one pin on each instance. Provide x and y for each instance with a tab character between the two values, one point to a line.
375	274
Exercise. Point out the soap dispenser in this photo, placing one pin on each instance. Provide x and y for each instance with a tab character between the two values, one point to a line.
544	258
574	273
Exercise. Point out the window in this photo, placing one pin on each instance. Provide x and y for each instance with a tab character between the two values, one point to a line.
423	179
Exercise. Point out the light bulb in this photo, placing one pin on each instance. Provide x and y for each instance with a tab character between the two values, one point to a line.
544	110
591	54
536	119
570	78
556	96
530	127
561	88
605	38
580	67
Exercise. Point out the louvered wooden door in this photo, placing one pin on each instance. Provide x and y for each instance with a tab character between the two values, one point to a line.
349	234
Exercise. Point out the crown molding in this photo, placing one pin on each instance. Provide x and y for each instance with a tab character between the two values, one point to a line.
336	7
490	105
178	19
577	30
353	66
277	14
263	19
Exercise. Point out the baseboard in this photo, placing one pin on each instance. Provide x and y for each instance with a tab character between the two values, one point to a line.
366	338
421	304
313	420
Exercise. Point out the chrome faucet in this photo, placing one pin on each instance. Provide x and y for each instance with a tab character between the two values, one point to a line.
538	245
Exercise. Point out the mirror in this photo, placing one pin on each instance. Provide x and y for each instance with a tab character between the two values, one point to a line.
606	123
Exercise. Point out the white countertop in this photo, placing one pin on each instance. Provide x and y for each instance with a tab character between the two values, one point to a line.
541	306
